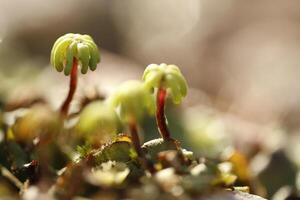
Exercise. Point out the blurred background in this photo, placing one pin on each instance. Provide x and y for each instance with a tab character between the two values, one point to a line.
241	60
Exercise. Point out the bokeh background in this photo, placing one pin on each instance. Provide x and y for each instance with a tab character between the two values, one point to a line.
241	60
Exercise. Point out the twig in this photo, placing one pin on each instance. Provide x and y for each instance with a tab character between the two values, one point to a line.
7	174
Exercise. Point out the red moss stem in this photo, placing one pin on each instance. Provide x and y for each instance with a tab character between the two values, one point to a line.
136	139
137	146
73	85
160	114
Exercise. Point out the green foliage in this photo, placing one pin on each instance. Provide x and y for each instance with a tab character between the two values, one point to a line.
12	155
69	46
84	150
98	121
167	77
119	150
40	122
133	101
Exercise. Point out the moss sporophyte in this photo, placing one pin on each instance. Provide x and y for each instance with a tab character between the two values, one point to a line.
133	101
162	80
67	53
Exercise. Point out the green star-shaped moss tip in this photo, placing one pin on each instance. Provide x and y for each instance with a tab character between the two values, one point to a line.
133	100
69	46
168	77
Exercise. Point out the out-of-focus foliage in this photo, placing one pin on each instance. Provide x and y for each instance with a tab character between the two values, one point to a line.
39	122
206	132
97	122
133	101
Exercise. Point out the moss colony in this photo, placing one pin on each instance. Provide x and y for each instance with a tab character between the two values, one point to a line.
98	153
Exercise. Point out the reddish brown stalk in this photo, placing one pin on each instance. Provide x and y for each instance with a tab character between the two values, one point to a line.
160	114
73	85
137	145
